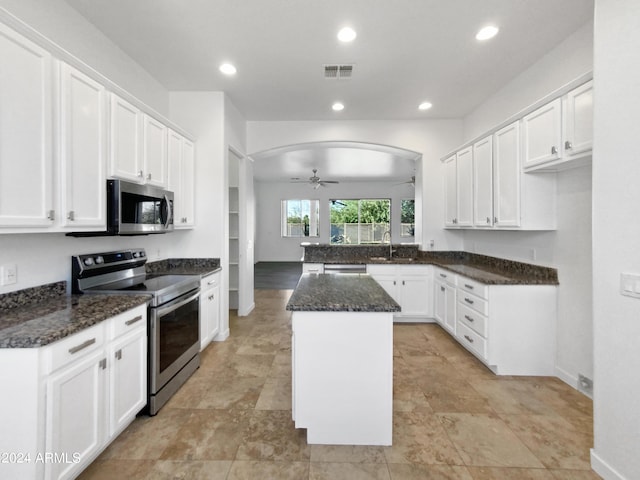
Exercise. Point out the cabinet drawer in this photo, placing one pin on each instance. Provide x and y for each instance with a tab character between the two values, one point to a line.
446	276
210	281
479	289
476	303
313	268
128	321
472	340
473	320
76	346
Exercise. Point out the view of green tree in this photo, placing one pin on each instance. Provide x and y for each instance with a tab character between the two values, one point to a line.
407	212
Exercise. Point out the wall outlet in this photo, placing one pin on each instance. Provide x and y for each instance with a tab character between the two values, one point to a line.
585	385
8	274
432	244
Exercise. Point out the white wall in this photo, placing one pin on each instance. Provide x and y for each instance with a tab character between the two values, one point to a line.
60	23
272	247
569	247
616	230
431	138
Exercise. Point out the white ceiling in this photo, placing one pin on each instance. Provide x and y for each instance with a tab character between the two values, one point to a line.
406	52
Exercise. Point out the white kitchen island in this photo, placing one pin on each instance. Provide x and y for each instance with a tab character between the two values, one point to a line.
342	359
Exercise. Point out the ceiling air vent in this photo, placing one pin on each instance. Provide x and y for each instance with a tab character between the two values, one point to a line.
338	72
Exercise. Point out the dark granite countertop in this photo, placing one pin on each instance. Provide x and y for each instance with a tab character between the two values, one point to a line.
53	318
185	266
340	293
482	268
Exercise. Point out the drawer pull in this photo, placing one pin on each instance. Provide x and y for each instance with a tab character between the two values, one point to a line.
211	297
133	320
469	318
470	287
470	302
83	345
469	339
213	282
443	275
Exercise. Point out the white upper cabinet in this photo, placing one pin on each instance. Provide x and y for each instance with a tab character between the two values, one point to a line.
507	173
125	159
26	157
483	182
82	150
569	131
578	121
181	179
451	194
542	135
464	187
155	152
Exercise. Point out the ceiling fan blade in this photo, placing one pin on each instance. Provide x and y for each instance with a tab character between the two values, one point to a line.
329	181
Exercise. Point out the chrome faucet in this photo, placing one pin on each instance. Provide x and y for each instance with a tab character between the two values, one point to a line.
388	232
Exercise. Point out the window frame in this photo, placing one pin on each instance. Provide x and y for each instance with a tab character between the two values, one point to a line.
313	220
360	200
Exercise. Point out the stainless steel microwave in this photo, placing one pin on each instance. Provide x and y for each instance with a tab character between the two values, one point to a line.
134	209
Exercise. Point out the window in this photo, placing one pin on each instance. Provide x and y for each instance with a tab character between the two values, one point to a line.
300	218
407	217
359	221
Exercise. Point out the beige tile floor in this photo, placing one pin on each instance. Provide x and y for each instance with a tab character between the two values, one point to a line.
453	419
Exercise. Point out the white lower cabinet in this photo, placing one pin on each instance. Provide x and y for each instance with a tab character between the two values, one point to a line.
73	397
409	285
209	309
444	299
510	328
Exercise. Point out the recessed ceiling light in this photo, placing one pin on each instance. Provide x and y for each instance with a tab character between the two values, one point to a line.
487	32
425	106
228	69
347	34
337	106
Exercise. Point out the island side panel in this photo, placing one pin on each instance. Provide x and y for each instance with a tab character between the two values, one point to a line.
343	377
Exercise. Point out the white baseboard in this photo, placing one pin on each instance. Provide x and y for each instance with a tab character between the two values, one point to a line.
246	312
222	336
603	469
570	380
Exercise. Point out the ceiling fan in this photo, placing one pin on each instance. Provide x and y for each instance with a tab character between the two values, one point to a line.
411	181
315	180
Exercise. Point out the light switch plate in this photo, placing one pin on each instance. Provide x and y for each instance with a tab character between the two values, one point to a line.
630	284
8	274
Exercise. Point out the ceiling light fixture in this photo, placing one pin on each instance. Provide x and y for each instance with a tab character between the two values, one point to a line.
337	106
347	34
228	69
425	106
487	32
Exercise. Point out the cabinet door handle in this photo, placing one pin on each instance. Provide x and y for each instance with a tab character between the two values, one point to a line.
470	287
568	145
72	215
470	302
402	282
495	219
554	150
442	289
103	364
140	173
133	320
83	345
148	176
469	318
469	339
211	297
394	282
51	215
119	355
488	220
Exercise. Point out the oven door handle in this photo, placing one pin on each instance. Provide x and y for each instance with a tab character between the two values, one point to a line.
176	304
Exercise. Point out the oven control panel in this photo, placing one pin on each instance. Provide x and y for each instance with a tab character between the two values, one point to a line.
97	261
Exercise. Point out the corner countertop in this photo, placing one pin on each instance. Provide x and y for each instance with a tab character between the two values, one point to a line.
185	266
340	293
482	268
49	319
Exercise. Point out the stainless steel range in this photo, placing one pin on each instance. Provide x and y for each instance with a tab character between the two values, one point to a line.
173	316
